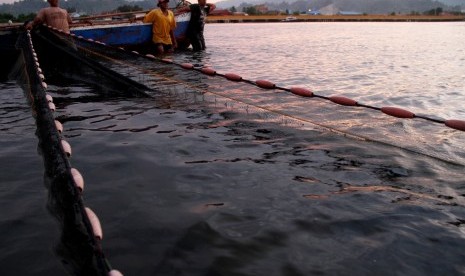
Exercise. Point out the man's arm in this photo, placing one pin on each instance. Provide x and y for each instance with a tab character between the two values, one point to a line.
182	10
173	27
211	7
70	21
173	39
139	17
37	20
148	18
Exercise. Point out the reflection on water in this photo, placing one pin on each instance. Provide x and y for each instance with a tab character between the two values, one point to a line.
208	177
210	188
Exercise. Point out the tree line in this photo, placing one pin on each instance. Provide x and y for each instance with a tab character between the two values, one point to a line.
427	7
256	10
8	17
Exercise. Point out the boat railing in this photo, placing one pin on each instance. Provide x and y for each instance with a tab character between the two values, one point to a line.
120	17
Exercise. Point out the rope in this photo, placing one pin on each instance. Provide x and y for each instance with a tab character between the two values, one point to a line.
303	92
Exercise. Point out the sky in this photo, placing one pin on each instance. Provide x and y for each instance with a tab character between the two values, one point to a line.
8	1
12	1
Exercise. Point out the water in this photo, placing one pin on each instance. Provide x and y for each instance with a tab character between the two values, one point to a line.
262	182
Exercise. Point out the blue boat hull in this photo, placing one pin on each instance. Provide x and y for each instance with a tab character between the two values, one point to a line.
129	34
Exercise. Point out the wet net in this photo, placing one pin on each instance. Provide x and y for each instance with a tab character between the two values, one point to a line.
80	243
187	83
178	84
117	72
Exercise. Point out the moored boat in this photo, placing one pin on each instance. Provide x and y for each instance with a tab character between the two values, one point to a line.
117	33
289	19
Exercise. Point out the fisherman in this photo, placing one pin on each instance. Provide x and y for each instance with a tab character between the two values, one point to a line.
197	22
163	27
53	16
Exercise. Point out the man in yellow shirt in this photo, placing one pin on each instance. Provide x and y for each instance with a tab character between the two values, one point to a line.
163	27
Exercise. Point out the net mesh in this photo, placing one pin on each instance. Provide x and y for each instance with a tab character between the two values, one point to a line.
79	249
171	80
118	72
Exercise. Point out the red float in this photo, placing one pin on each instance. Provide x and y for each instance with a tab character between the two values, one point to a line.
456	124
301	92
265	84
187	66
208	71
397	112
343	101
232	77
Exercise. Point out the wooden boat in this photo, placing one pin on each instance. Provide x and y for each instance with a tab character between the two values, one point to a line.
125	33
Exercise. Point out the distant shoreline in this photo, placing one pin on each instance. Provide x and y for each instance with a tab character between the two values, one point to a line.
314	18
334	18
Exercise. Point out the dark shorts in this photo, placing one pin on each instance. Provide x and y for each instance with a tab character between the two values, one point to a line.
166	47
197	41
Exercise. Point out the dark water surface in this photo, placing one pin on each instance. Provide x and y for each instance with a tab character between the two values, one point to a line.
209	177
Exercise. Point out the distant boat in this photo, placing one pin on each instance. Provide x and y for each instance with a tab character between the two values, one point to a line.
289	19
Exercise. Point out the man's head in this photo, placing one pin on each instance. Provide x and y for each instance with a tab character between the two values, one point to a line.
202	2
53	3
163	3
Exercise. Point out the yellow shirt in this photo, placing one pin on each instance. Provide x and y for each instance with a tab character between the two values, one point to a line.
162	25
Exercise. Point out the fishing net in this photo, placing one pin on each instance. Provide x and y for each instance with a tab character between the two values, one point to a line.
118	72
178	82
79	247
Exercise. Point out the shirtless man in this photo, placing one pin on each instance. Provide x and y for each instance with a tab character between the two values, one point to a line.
53	16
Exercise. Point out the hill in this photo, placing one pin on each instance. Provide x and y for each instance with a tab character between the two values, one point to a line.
453	2
362	6
81	6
